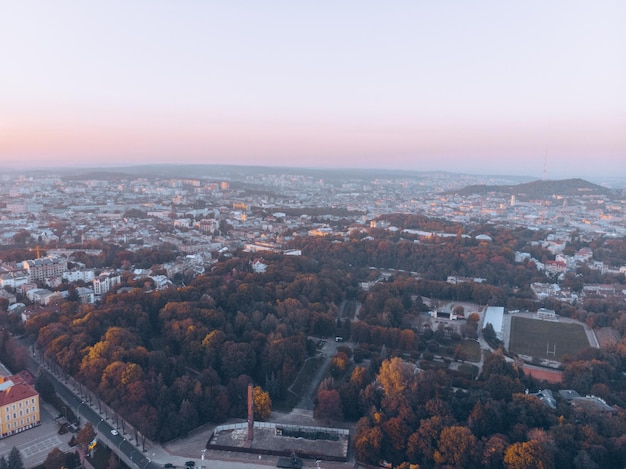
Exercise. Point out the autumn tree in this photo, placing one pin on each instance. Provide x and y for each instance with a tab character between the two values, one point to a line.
55	459
114	462
528	455
339	363
328	405
486	418
493	452
368	441
349	392
397	380
422	444
262	403
85	436
456	447
396	433
469	329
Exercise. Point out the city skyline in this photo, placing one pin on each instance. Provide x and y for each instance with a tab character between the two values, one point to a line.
481	88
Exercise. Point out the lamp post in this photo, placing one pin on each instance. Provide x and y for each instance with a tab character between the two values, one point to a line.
98	426
78	412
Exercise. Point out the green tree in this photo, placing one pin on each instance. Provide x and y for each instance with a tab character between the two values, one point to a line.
15	459
44	386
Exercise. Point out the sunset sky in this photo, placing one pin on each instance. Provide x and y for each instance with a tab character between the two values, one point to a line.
463	86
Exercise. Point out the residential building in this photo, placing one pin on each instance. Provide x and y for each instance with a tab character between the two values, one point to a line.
102	284
14	279
39	269
85	295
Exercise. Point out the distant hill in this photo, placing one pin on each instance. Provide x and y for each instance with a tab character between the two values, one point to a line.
235	172
540	190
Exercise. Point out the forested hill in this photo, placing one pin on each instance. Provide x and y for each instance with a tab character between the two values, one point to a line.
540	189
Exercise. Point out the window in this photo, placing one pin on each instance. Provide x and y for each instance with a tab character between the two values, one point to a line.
13	406
27	410
27	419
14	415
33	408
20	404
32	401
14	424
21	413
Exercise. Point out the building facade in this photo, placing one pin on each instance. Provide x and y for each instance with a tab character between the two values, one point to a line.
19	406
39	269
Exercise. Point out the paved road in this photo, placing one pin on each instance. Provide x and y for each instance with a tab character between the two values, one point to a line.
329	350
132	455
118	443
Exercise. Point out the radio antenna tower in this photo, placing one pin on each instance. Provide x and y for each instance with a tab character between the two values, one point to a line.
545	166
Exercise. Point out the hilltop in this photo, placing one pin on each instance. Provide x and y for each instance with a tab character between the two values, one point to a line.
540	189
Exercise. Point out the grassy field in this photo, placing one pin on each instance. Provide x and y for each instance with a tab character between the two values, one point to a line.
300	385
534	337
470	347
305	375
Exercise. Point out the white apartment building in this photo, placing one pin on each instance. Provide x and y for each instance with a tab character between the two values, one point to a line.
75	275
13	280
102	284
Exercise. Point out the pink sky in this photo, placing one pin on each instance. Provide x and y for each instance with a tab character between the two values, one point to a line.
415	85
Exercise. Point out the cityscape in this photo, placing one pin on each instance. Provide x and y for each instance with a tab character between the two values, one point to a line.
347	235
501	285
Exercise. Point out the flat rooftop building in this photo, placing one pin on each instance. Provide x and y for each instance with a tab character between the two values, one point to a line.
495	316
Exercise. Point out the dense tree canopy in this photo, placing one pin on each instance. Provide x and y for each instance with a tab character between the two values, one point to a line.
171	360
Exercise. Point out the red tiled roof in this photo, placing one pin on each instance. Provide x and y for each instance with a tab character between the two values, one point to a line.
16	393
23	376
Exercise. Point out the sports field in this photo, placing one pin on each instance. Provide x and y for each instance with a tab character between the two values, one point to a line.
546	339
